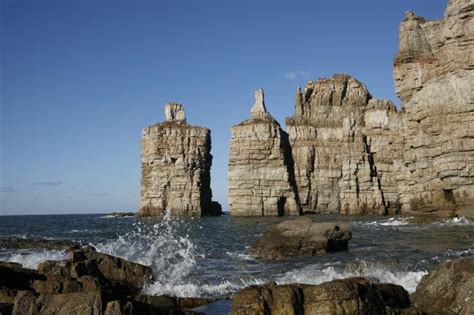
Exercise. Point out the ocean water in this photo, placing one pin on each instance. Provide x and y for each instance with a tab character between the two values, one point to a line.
207	256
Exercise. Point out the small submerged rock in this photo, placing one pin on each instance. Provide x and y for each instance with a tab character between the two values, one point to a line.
121	214
301	236
21	243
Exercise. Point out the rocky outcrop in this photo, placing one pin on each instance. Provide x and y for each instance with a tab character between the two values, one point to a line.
301	237
88	283
346	296
433	72
334	166
260	167
449	289
176	162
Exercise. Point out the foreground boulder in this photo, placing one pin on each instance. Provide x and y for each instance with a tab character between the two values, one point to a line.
88	283
449	289
346	296
301	236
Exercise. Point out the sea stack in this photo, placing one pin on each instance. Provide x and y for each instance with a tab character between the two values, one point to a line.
260	162
333	163
434	78
176	163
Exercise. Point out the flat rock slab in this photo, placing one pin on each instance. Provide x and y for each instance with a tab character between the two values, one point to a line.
301	237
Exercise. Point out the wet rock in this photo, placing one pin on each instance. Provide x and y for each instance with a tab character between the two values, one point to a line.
14	276
346	296
260	167
176	163
449	289
301	236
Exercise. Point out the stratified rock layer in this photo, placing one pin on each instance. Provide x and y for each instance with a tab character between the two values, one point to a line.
334	166
433	72
176	164
260	175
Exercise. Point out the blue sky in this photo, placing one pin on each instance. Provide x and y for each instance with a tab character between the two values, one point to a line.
80	79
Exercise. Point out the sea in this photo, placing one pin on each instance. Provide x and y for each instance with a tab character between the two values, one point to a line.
207	257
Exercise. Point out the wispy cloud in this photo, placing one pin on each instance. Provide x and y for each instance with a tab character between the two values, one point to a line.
296	75
48	183
7	189
98	194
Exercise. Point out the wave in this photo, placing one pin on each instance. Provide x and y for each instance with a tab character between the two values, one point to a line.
32	259
315	274
461	221
162	247
387	222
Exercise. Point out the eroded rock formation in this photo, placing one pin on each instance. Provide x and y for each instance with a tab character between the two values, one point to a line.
334	166
353	154
176	163
260	174
433	72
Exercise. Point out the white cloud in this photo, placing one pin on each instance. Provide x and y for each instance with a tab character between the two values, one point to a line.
296	75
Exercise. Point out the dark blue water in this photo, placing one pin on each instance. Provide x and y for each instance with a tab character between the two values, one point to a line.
207	256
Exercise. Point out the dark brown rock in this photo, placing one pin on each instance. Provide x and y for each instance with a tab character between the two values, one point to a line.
346	296
449	289
20	243
301	236
14	276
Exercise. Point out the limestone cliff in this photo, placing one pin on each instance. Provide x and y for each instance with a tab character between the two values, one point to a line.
176	162
433	72
260	167
333	162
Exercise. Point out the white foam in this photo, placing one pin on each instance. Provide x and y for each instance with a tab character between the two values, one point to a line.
171	256
313	274
387	222
31	260
454	222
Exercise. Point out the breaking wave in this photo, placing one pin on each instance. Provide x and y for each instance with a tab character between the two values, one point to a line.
317	274
32	259
387	222
461	221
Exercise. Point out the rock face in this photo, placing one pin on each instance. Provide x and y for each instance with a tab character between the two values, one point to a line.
260	167
353	154
347	296
176	163
433	72
449	289
301	237
88	283
334	165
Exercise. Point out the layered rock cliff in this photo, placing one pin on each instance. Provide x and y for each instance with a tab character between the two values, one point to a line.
433	72
334	165
260	167
176	162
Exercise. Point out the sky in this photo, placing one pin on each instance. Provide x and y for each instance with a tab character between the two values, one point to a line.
80	79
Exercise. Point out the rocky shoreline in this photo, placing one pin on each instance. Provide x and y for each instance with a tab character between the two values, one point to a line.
90	282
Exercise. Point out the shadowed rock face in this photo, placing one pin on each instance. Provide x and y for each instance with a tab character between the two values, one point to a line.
176	164
433	72
260	167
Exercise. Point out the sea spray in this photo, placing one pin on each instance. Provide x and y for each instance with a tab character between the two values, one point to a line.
161	246
32	258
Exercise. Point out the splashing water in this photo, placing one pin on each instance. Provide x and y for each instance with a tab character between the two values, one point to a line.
160	246
31	259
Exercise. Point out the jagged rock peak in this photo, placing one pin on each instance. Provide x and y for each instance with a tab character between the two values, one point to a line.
174	112
258	109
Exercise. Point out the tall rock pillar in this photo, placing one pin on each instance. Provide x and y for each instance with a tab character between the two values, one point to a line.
261	180
176	163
